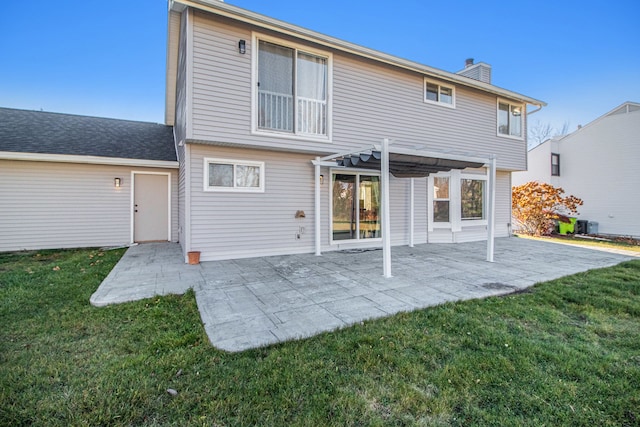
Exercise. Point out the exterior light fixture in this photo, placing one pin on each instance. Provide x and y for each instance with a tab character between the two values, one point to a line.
117	182
321	179
242	47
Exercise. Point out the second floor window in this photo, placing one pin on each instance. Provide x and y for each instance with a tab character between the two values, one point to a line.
436	93
509	119
292	90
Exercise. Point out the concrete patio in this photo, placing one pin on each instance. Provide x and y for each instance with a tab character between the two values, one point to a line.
253	302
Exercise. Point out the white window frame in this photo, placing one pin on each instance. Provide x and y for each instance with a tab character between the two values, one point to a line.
440	86
432	193
256	38
234	163
356	173
522	116
456	223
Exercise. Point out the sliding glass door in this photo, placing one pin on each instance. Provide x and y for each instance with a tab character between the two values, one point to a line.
356	206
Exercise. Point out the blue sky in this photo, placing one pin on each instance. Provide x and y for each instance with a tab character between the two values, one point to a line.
106	58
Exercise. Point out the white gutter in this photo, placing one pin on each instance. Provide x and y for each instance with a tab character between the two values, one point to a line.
92	160
233	12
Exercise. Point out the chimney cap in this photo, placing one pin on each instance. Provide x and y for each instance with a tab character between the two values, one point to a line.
468	62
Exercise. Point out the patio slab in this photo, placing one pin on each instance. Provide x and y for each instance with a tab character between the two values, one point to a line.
254	302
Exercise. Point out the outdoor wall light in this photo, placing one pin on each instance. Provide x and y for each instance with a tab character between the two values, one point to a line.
117	182
242	47
321	179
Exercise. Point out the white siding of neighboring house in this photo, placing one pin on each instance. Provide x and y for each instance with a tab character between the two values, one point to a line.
64	205
599	164
539	165
370	101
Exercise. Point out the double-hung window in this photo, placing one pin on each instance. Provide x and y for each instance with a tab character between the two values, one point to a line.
441	199
436	93
233	175
292	90
510	119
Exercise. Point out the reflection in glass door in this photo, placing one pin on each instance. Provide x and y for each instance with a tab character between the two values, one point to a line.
344	221
356	207
369	195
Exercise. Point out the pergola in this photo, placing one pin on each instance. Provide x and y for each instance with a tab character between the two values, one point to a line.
415	162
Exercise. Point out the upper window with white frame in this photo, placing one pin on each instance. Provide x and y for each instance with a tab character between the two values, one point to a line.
232	175
437	93
510	119
292	93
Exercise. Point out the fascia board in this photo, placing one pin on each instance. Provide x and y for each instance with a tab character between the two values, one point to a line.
95	160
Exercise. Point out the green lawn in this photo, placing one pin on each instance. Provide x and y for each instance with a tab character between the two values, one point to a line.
627	244
565	353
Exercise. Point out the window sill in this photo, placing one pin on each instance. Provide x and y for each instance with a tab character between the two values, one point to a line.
516	138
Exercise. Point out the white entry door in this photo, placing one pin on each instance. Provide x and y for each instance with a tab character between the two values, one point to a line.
150	208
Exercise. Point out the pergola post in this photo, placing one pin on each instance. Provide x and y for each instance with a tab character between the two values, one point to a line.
411	211
386	220
317	208
491	216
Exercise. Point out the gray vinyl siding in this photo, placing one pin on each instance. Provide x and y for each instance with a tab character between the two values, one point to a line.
226	225
63	205
237	225
370	101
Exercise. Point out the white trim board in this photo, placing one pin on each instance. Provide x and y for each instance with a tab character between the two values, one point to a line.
93	160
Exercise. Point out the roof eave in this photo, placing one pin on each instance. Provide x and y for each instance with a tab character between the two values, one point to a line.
223	9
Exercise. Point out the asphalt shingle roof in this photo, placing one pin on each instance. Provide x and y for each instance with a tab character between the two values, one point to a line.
27	131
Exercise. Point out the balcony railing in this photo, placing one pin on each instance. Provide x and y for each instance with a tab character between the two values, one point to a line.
276	113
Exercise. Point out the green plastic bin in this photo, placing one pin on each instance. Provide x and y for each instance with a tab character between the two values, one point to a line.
567	227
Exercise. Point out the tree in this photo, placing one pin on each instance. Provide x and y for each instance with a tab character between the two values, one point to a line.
540	132
536	206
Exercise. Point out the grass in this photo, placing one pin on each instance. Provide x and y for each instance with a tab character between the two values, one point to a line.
627	244
566	352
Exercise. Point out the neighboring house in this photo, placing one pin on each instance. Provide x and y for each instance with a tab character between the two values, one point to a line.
72	181
262	110
596	163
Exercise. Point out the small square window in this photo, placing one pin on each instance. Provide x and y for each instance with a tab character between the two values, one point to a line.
436	93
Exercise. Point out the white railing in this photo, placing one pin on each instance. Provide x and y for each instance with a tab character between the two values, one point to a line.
312	116
276	113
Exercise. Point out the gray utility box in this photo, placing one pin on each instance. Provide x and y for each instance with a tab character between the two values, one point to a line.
592	228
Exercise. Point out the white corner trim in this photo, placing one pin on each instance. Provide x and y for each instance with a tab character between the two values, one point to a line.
93	160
